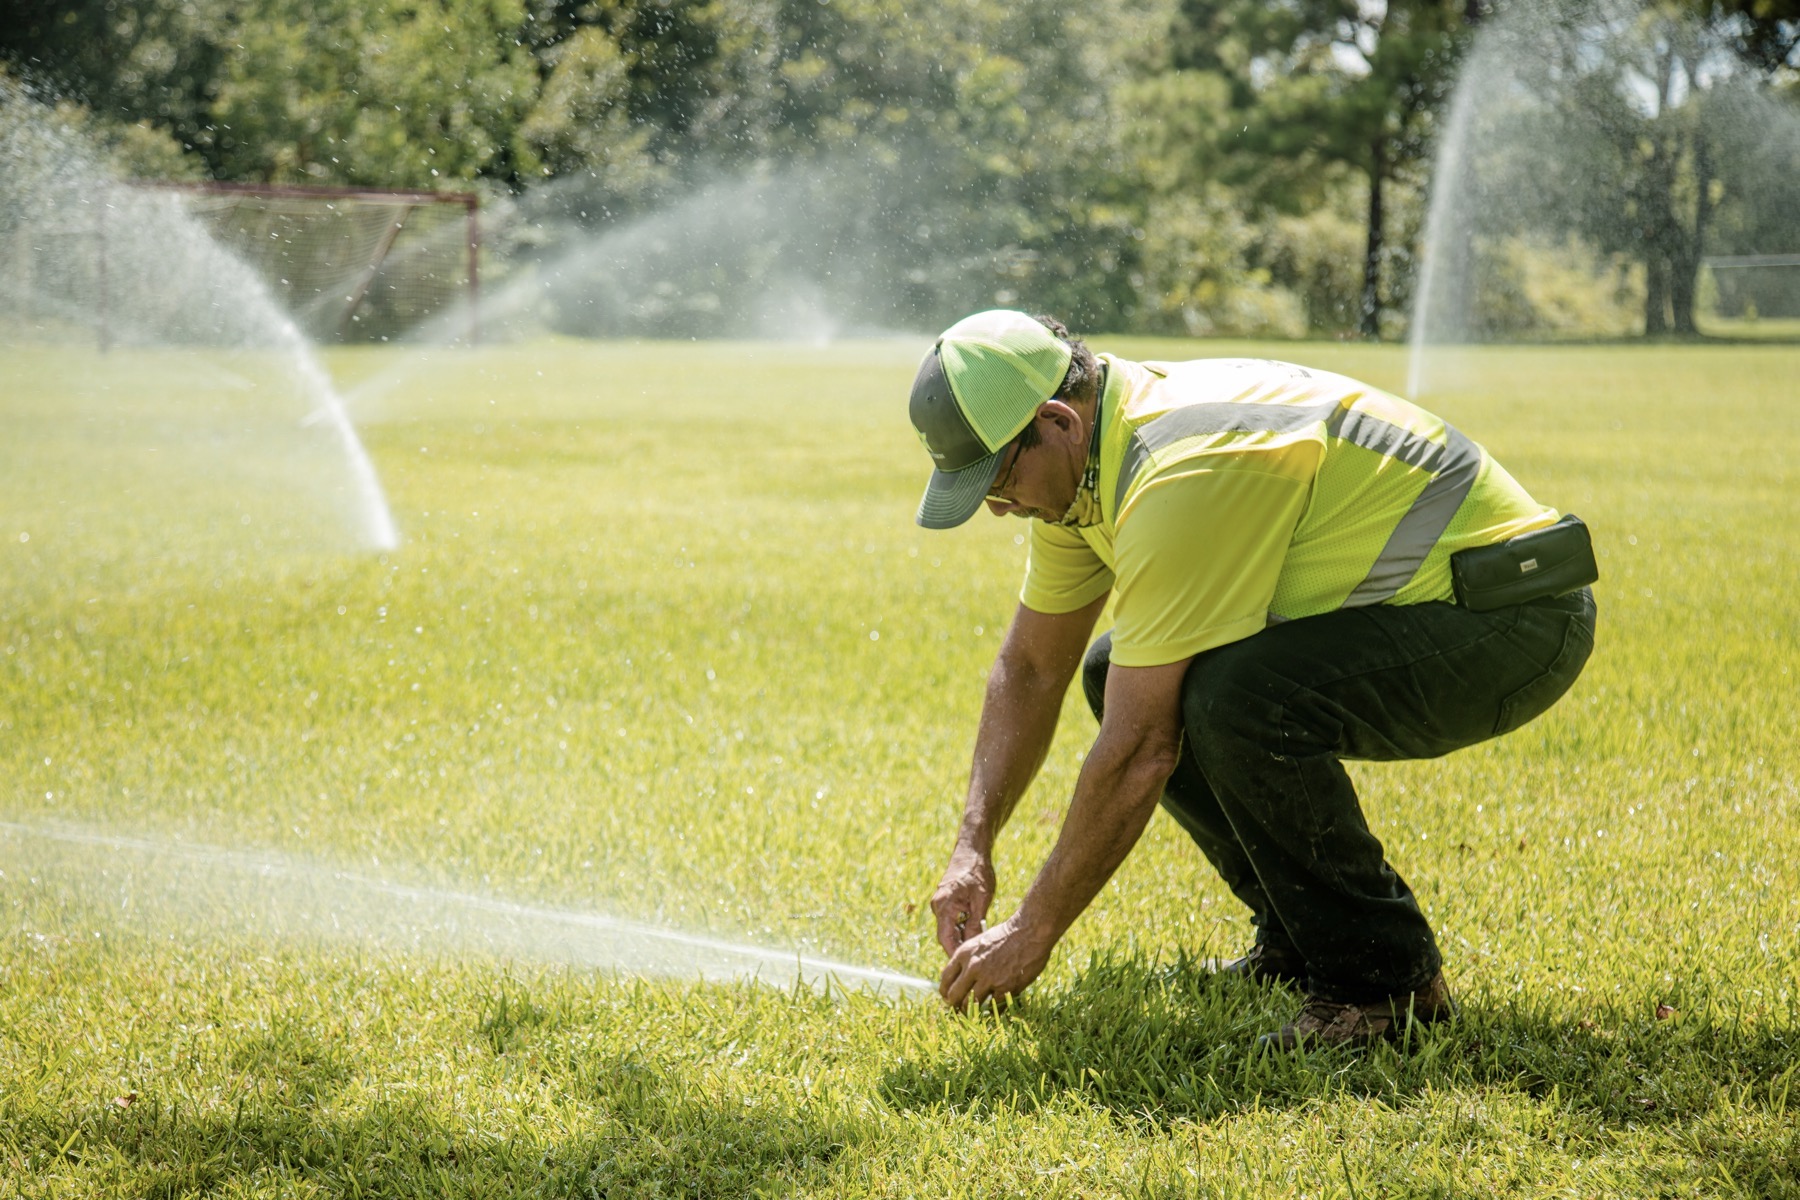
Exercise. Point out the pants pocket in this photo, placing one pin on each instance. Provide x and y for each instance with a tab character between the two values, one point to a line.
1520	706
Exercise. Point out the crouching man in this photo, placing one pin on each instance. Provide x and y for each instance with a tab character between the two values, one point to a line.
1304	569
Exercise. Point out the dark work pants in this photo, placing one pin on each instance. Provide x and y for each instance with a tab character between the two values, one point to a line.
1261	788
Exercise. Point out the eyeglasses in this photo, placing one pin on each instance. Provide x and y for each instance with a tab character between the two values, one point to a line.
1003	481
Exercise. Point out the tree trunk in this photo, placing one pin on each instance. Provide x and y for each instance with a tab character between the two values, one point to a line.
1683	271
1663	253
1371	289
1656	209
1685	266
1656	293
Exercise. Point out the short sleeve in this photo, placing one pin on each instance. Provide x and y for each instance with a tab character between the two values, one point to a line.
1062	572
1199	554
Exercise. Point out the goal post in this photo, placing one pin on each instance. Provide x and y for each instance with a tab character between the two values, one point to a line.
349	264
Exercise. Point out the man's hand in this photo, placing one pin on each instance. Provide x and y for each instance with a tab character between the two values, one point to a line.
1117	790
962	897
994	966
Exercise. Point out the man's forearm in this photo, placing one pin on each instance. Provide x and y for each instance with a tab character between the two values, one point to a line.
1018	722
1119	786
1138	747
1018	715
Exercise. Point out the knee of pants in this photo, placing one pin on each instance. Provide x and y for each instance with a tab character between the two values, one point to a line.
1093	673
1232	707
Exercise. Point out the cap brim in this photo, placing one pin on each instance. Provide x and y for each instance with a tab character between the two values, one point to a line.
952	497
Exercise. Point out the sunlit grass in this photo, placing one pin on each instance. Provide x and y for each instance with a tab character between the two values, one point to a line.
1785	329
661	641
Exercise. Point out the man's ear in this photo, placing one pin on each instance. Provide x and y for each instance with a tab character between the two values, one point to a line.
1058	413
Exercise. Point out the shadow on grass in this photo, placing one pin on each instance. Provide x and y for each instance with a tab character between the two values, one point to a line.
645	1133
1159	1044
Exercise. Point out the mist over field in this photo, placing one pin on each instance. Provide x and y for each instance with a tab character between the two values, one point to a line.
792	170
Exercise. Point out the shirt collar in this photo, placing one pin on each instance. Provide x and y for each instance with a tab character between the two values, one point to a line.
1085	509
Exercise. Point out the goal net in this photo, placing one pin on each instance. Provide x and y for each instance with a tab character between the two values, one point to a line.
1751	294
349	264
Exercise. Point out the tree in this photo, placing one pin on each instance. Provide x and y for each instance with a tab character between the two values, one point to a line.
277	90
907	176
985	167
1765	33
152	64
646	71
582	124
355	91
1323	84
1639	129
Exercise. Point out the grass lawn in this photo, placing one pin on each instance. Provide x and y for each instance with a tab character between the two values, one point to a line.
307	851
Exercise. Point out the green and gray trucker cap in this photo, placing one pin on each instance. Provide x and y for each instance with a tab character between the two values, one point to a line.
977	388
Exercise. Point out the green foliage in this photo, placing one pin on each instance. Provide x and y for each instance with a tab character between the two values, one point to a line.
1668	146
132	150
672	54
1317	89
1194	253
356	92
1533	287
969	171
1254	259
1169	165
1317	257
1766	33
132	62
581	123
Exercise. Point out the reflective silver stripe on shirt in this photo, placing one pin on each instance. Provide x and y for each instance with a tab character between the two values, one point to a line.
1383	437
1454	465
1203	420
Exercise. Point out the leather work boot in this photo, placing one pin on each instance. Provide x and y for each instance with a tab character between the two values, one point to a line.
1328	1023
1262	965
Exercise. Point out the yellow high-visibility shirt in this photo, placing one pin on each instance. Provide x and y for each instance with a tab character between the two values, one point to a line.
1235	493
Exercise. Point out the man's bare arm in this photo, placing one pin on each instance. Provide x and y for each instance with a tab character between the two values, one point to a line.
1024	697
1025	690
1120	783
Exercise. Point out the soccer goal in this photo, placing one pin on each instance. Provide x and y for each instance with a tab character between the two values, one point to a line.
350	264
1751	295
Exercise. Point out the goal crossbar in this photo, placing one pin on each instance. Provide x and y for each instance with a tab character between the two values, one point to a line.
361	269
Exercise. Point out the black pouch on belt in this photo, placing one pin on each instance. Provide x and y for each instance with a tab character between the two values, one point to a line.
1545	562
